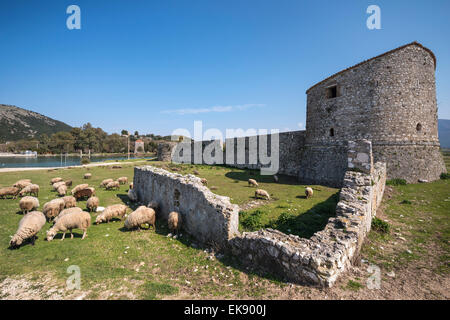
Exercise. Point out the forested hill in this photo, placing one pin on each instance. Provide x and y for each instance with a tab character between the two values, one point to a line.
17	123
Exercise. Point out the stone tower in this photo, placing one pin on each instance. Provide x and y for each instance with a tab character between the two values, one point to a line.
389	100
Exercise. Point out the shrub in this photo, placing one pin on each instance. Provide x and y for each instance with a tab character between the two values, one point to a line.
380	225
445	176
396	182
251	221
85	160
406	201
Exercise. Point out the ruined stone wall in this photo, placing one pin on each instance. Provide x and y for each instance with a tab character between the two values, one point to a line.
212	219
390	100
165	151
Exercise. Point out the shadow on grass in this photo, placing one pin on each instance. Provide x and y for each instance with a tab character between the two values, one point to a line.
126	201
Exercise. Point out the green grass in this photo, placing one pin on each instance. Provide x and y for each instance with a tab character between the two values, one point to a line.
148	263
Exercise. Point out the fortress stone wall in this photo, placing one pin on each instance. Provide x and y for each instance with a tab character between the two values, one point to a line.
389	100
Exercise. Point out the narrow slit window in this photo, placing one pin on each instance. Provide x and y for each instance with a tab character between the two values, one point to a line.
331	132
419	127
332	92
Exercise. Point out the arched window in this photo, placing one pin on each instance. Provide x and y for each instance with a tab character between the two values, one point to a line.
331	132
419	127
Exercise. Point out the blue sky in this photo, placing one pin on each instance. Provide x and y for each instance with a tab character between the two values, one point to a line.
154	66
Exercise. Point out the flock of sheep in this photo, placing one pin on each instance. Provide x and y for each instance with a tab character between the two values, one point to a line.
65	214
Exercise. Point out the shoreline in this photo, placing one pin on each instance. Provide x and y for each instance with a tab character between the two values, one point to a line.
18	155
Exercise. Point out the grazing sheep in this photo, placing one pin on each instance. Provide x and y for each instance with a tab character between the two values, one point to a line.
132	195
92	204
174	222
260	193
79	187
69	201
252	182
66	211
69	183
52	208
196	172
30	189
140	216
105	182
84	193
9	191
113	185
62	190
110	212
87	175
22	183
55	180
74	220
275	178
204	181
29	226
28	204
308	192
154	205
131	185
56	185
122	180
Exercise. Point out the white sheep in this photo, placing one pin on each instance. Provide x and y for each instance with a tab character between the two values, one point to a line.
132	195
105	182
88	175
92	204
9	191
30	189
69	201
62	190
79	187
29	226
22	183
74	220
174	221
110	212
112	185
260	193
52	208
57	184
140	216
66	211
204	181
122	180
252	182
28	204
308	192
57	179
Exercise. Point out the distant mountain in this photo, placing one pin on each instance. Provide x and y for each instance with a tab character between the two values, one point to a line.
17	123
444	133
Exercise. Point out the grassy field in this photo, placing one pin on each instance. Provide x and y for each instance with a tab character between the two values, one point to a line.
116	264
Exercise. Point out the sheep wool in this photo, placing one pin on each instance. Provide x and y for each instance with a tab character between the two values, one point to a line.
57	184
88	175
62	190
31	189
29	226
174	221
55	180
122	180
140	216
112	185
260	193
105	182
28	204
110	212
252	182
9	191
52	208
22	183
69	201
79	187
66	211
308	192
68	222
92	204
204	181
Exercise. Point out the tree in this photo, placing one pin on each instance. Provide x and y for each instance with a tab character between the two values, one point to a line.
124	132
136	134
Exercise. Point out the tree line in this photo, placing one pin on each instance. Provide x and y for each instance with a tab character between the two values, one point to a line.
87	138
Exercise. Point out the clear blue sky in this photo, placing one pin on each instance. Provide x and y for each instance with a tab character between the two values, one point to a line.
154	66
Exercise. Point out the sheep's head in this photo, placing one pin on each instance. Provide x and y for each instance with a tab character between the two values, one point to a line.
99	219
15	242
51	234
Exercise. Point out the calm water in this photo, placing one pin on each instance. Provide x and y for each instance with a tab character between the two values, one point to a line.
11	162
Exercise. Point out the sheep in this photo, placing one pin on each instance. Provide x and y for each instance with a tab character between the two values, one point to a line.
56	185
204	181
84	193
174	222
131	185
105	182
122	180
62	190
92	204
252	182
110	212
196	172
87	175
66	211
30	189
74	220
113	185
140	216
308	192
69	201
79	187
9	191
22	183
132	195
57	179
68	183
28	204
29	226
260	193
52	208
